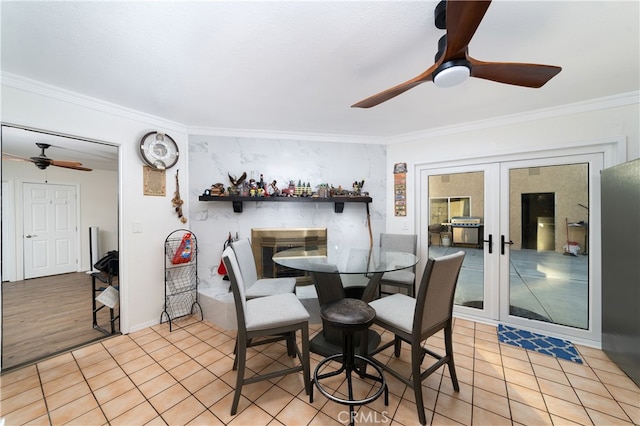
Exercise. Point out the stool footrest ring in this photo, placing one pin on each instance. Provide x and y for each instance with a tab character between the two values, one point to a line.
343	368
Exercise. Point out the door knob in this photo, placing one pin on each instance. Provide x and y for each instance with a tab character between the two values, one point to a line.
31	236
490	241
503	243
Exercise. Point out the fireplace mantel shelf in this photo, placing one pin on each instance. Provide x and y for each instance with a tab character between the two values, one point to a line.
338	201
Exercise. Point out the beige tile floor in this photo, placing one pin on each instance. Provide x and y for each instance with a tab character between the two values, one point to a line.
185	377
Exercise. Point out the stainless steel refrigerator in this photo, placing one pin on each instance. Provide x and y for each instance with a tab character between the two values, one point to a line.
621	266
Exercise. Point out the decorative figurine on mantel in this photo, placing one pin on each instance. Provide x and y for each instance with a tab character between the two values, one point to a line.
273	189
290	190
236	183
217	190
357	187
323	190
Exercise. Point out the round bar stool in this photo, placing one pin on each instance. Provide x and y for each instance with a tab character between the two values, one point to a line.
349	316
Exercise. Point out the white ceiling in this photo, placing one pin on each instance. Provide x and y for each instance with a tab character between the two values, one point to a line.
297	66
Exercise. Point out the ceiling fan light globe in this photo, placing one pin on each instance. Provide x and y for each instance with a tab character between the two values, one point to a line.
452	76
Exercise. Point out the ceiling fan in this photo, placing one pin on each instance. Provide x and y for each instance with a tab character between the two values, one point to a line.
453	65
42	161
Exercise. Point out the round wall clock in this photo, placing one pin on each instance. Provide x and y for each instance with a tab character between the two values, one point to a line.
159	150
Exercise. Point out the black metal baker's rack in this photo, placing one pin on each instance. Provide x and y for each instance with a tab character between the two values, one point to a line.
105	276
180	276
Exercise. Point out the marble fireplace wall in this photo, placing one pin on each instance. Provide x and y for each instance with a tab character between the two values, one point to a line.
212	158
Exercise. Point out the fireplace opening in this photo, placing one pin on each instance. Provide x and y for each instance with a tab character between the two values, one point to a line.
265	242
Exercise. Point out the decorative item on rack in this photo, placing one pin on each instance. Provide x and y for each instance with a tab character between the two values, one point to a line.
183	253
110	297
177	201
400	189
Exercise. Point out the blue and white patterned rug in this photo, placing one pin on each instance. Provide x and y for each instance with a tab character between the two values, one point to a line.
553	346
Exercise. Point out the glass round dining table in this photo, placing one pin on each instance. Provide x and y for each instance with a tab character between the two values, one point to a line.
327	265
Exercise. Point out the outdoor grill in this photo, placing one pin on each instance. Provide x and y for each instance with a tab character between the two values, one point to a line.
467	230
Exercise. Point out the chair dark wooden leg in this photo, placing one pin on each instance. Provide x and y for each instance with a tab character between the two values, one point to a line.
397	346
291	344
306	361
448	342
416	356
235	353
241	358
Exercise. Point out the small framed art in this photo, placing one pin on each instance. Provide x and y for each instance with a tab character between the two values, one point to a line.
400	189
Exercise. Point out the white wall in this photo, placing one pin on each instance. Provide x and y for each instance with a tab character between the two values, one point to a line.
98	195
212	158
34	105
600	120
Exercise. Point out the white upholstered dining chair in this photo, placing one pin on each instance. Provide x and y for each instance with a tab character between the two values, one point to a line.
413	320
263	320
255	287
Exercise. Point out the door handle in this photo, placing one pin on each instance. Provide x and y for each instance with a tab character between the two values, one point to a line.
30	236
503	243
490	241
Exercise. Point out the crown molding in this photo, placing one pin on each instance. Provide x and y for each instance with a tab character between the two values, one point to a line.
270	134
74	98
54	92
63	95
614	101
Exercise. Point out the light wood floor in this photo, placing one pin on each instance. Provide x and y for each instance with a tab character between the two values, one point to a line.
44	316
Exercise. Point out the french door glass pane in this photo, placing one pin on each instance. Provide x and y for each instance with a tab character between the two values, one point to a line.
452	195
548	224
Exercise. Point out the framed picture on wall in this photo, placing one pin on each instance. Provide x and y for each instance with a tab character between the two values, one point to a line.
400	189
154	181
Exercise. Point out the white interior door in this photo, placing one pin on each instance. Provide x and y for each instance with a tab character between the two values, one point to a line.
50	230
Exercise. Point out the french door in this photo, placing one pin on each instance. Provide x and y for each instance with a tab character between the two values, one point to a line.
525	226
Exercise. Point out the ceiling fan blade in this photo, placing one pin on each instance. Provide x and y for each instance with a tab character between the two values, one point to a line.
517	74
385	95
42	161
463	18
69	165
7	156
